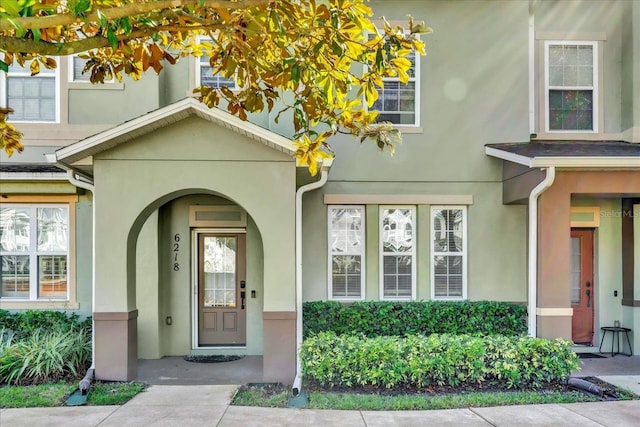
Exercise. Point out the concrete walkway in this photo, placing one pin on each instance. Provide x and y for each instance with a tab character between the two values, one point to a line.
208	405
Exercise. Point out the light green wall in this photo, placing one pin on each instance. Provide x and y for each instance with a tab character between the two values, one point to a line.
84	250
99	105
153	173
588	18
496	240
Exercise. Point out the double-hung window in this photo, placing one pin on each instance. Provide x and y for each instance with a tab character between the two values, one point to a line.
397	253
398	102
346	252
449	252
34	249
571	90
32	98
205	76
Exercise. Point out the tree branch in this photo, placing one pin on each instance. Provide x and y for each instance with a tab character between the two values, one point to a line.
40	22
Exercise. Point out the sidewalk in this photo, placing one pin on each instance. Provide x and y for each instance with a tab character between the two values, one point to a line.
208	405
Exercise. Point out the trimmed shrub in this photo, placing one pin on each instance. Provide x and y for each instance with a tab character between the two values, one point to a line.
385	318
436	360
24	323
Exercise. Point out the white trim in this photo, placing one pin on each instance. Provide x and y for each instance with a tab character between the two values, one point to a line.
566	162
198	67
412	253
33	176
433	253
398	199
195	232
593	87
362	253
54	74
166	116
34	254
555	311
408	127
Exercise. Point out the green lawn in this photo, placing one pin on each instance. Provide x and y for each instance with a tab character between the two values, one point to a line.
55	394
277	397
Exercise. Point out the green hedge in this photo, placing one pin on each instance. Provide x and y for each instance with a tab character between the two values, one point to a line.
24	323
385	318
439	359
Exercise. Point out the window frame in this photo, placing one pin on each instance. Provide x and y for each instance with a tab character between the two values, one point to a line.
412	253
198	68
416	81
594	88
46	201
73	80
433	253
362	253
24	72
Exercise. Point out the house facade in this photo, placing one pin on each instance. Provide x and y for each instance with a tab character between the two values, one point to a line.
183	230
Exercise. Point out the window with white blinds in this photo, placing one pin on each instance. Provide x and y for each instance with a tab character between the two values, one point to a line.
448	252
397	253
346	252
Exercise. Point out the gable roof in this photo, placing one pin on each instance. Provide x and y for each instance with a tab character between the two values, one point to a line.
600	154
166	116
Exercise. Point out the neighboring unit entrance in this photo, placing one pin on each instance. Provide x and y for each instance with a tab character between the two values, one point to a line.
221	289
582	287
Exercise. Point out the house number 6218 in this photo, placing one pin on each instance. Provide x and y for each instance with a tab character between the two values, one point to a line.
176	249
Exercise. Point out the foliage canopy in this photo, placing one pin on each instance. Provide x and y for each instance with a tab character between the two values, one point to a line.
306	48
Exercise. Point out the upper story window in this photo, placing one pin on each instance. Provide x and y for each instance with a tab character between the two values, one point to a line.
205	76
449	252
571	90
32	98
346	252
76	65
397	253
34	249
398	102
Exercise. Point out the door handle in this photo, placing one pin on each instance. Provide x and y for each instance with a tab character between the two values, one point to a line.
588	291
243	295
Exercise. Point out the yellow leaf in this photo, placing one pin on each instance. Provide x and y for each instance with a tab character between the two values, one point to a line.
35	67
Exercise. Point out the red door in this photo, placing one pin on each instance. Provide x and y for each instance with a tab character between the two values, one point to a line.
582	287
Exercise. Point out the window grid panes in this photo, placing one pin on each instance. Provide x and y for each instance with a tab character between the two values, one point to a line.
34	244
220	271
205	76
397	252
346	251
571	86
448	228
32	98
397	102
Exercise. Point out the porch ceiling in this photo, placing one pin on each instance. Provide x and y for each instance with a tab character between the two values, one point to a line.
570	154
167	116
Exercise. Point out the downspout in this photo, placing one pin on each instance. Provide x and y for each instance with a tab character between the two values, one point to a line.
533	247
85	184
297	382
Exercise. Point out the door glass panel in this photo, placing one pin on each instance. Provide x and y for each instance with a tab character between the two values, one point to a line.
575	270
219	271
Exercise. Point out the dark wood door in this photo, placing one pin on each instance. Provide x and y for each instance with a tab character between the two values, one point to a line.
582	286
221	289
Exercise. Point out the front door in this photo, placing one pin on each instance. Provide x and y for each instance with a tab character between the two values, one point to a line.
221	289
582	287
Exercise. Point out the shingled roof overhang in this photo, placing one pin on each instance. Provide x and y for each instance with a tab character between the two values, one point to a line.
569	154
31	172
167	116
